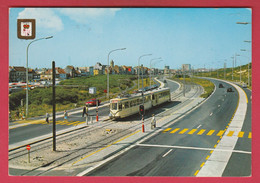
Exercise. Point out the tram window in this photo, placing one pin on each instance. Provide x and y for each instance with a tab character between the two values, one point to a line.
153	97
114	106
127	105
135	102
120	107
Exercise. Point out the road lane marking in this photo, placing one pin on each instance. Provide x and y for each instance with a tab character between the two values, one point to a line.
166	130
183	131
220	133
192	131
175	130
211	132
199	126
250	135
202	164
207	157
201	132
211	114
240	134
230	133
196	172
194	148
167	153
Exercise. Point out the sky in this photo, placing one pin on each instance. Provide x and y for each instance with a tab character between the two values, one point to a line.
202	37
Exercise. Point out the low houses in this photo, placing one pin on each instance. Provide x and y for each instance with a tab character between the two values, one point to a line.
18	74
60	73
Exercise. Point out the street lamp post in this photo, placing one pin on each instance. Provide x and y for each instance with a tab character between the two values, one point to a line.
151	68
138	69
108	69
27	87
248	66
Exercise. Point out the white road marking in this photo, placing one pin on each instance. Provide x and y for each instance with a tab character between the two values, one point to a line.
167	153
218	105
199	126
195	148
211	114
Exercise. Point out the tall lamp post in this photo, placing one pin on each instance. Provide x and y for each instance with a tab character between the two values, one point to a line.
108	69
138	69
27	88
248	66
151	68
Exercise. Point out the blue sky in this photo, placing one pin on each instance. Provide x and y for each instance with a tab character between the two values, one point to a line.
84	36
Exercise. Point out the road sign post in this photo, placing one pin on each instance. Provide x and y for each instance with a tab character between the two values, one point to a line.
143	123
28	147
141	111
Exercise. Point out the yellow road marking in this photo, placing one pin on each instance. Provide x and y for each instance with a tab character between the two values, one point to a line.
74	122
192	131
201	132
183	131
240	134
207	157
175	130
230	133
105	147
79	123
166	130
215	145
211	152
218	141
220	133
202	164
196	172
211	132
250	135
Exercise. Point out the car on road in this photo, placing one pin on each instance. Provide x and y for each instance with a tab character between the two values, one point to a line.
93	102
229	90
244	85
221	85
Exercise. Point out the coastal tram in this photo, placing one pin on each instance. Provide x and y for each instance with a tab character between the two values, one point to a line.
127	105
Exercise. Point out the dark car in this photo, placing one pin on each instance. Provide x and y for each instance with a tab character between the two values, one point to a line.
229	90
220	85
93	102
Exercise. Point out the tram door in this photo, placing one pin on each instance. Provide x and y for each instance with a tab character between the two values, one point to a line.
154	100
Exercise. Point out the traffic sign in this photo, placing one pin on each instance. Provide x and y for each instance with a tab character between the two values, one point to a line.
28	147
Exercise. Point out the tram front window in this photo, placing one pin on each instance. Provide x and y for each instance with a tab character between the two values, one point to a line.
114	106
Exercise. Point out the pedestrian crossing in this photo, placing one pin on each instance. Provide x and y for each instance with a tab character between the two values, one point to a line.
211	132
58	122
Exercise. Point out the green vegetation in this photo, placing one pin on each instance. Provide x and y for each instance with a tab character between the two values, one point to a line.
236	74
206	84
73	93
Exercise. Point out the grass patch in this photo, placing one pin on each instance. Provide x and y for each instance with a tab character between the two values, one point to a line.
206	84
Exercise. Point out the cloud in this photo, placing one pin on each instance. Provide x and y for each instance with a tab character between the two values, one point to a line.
45	18
87	15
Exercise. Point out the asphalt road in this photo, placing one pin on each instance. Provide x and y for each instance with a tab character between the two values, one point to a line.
156	157
19	134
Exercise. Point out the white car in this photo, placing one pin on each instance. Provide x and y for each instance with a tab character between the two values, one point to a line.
244	85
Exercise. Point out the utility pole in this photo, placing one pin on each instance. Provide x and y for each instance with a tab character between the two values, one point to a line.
54	106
